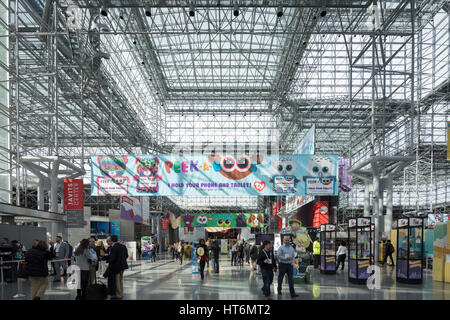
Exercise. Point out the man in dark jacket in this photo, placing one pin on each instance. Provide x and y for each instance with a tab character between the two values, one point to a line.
267	263
215	256
389	251
117	265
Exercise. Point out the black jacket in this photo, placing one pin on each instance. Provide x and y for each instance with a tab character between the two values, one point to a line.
36	262
262	256
118	258
215	251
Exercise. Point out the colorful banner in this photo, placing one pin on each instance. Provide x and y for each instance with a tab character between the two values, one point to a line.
115	229
145	246
345	180
170	175
74	203
436	218
131	209
227	220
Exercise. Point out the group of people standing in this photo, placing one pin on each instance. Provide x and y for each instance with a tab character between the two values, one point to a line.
88	255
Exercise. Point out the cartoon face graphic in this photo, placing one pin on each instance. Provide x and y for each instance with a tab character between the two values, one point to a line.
112	166
284	166
202	220
147	177
241	221
235	168
254	220
188	220
223	220
147	167
320	167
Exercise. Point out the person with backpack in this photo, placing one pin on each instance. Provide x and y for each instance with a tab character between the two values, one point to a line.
389	251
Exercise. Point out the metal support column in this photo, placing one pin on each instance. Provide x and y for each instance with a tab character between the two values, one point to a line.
366	200
54	187
389	207
40	194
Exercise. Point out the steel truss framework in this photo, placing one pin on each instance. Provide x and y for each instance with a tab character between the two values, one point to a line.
128	83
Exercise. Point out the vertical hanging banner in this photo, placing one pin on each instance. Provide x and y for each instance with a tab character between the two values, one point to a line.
448	140
131	209
214	175
74	203
164	224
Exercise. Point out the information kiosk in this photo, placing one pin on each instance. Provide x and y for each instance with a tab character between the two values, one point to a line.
328	249
409	249
361	233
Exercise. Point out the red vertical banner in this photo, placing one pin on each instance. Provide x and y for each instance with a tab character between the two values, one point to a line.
320	213
164	224
73	194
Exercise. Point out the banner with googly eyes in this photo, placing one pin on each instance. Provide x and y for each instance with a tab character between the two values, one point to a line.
225	220
214	175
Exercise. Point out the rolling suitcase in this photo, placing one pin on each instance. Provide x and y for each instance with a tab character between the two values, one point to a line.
96	291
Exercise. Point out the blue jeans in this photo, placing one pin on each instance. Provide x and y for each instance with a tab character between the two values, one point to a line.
286	269
267	276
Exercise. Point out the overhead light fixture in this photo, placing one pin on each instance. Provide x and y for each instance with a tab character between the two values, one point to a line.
148	13
323	12
191	11
236	10
279	11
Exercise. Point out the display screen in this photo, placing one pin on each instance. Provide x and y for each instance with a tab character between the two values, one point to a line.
103	229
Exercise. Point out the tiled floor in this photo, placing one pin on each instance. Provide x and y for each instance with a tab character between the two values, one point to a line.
167	280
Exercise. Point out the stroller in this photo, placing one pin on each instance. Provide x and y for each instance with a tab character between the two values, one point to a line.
301	273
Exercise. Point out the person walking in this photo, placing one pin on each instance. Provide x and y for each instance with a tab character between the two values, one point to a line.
234	252
341	254
83	259
253	256
389	251
202	253
52	250
286	256
267	262
153	252
117	265
94	264
316	253
61	252
180	251
36	268
215	256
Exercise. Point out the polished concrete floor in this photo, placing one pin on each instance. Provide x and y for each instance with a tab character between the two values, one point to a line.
167	280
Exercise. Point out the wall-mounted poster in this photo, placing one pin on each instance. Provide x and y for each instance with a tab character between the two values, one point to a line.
226	220
214	175
115	229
